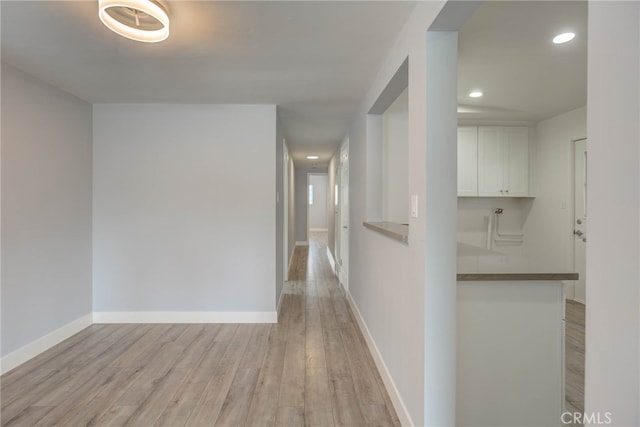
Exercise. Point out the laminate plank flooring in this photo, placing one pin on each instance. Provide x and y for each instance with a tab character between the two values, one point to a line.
298	267
312	368
574	356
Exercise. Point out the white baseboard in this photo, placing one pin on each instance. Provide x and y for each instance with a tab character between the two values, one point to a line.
34	348
305	243
398	404
332	261
319	229
185	317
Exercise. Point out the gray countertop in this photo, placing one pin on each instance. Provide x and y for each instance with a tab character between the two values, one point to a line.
479	264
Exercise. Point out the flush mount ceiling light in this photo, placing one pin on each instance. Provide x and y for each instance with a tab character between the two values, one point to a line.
141	20
563	38
475	94
313	157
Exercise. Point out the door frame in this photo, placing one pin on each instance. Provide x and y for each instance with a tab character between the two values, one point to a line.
325	174
572	284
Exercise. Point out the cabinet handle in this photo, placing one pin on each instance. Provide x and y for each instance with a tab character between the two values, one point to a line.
506	191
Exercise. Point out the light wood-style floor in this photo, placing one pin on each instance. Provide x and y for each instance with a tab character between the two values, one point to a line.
311	368
298	267
574	356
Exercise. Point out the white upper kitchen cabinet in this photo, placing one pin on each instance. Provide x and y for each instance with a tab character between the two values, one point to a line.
468	161
503	161
516	179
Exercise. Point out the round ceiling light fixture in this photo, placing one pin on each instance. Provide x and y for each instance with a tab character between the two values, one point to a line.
141	20
563	38
475	94
313	157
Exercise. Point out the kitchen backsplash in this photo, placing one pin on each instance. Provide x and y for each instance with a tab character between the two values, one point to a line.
475	213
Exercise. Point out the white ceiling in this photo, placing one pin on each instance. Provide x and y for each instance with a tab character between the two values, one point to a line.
505	50
314	59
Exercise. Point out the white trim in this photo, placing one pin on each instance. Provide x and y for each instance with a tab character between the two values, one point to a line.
305	243
34	348
332	262
396	399
279	302
185	317
319	229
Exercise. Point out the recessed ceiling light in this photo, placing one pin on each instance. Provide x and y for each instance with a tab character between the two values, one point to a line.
475	94
563	38
141	20
313	157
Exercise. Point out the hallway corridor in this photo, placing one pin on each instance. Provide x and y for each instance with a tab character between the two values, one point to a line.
312	368
338	363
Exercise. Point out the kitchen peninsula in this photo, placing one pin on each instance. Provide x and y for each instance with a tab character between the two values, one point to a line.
510	313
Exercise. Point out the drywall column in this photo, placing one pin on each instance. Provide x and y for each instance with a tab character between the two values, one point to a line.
612	376
440	240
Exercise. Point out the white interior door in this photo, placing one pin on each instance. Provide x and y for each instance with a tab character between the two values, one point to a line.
580	219
336	224
344	215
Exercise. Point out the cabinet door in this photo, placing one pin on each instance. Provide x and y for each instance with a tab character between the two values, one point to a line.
490	160
516	165
468	161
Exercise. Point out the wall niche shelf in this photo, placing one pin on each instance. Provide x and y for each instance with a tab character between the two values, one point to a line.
393	230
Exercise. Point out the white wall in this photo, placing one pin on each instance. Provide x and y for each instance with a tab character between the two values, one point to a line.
318	211
184	200
387	278
473	218
612	375
46	209
395	161
549	222
301	200
440	174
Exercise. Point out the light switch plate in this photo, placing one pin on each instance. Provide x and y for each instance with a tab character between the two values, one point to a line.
414	206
